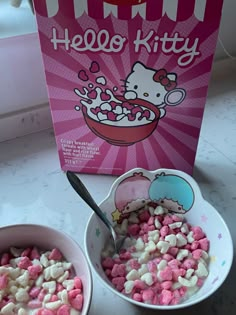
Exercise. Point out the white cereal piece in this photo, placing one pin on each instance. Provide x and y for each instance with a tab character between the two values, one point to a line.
52	262
190	238
133	275
124	226
22	295
181	240
144	257
150	247
128	242
56	272
147	278
162	264
175	225
163	246
50	286
139	244
39	281
44	260
133	218
189	273
159	210
157	223
176	285
47	298
201	270
129	286
68	284
66	265
142	270
205	255
154	235
36	262
12	289
5	270
191	291
23	280
53	305
14	261
188	282
203	262
8	309
182	254
171	238
184	228
16	252
47	273
63	296
151	211
73	311
22	311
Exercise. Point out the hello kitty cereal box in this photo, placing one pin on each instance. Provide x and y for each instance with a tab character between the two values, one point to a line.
127	80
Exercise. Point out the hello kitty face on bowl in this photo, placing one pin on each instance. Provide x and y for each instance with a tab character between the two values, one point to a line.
182	190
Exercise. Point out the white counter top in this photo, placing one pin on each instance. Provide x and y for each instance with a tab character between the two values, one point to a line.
33	189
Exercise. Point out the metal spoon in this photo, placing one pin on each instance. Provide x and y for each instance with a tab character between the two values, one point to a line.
79	187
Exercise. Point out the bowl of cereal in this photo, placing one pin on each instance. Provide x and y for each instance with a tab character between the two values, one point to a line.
43	271
171	257
122	122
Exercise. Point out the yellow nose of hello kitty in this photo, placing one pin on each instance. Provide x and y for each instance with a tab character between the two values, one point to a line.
145	94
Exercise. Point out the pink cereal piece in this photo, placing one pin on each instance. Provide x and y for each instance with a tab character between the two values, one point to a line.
3	281
118	270
63	310
108	272
178	272
108	262
24	263
34	292
188	247
78	283
166	273
119	283
137	297
166	285
182	291
200	282
26	252
139	284
194	245
145	238
173	251
151	221
189	263
167	220
175	301
174	263
77	302
144	216
55	254
152	267
42	294
59	287
166	297
45	311
168	257
176	218
148	295
34	253
164	231
34	271
5	258
156	287
134	264
133	229
73	293
197	233
151	228
204	244
125	256
197	254
54	298
33	304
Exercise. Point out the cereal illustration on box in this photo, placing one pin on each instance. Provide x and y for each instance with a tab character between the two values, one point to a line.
127	80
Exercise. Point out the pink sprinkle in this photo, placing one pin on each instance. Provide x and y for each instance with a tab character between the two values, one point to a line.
24	263
3	281
55	254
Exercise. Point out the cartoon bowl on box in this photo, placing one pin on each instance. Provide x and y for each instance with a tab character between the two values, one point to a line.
136	195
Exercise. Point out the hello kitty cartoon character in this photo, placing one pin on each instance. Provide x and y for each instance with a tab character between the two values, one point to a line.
155	86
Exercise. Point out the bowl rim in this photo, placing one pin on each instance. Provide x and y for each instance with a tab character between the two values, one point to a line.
162	307
42	226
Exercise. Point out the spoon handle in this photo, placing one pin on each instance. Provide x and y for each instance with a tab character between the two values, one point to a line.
79	187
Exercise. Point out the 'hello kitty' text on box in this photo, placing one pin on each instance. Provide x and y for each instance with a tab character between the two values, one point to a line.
127	80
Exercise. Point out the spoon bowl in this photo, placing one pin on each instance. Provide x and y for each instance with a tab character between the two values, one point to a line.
82	191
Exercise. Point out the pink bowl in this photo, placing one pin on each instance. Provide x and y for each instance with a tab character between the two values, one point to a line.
25	235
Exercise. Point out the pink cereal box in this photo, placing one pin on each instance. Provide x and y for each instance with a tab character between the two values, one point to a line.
127	80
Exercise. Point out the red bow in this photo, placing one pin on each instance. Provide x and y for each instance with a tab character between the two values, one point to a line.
161	76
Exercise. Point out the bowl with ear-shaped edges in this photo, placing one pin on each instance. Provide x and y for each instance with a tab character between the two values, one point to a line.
141	191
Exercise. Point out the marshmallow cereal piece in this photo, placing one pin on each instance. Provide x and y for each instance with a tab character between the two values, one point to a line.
163	246
157	223
56	271
22	295
63	296
8	309
47	298
133	275
16	252
63	277
175	225
147	278
190	237
182	254
150	247
144	257
143	269
129	286
188	282
201	270
23	279
39	280
162	264
139	244
124	226
53	305
184	229
50	286
44	260
159	210
22	311
68	284
171	238
181	240
153	236
189	273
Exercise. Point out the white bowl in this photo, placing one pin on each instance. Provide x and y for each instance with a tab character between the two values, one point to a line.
47	238
128	192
